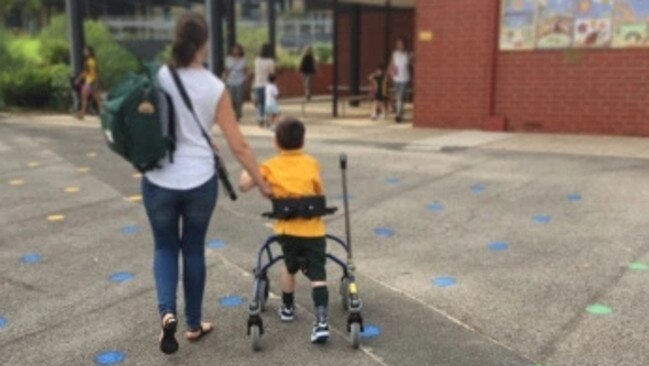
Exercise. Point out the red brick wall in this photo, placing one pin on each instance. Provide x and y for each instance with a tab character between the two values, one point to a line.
587	91
290	84
454	71
592	91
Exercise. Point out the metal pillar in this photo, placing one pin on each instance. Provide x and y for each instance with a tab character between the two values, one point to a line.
355	54
272	26
388	31
215	10
74	16
336	11
232	24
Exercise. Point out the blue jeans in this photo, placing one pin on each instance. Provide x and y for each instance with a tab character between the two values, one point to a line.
261	102
167	209
400	90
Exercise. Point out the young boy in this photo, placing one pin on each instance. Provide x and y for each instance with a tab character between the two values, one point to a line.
272	109
294	174
379	82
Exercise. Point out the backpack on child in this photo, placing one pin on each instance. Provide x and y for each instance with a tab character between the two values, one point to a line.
138	120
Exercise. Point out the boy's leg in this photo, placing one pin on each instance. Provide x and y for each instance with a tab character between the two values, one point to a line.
291	252
316	255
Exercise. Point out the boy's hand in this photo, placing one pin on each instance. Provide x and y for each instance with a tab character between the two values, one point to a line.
245	182
265	190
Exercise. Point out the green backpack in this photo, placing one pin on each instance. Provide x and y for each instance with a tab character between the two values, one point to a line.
138	120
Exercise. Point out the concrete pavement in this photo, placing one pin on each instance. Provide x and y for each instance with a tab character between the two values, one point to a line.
473	249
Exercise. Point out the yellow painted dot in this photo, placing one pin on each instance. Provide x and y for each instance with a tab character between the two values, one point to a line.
134	198
54	218
137	175
83	169
33	164
91	154
72	189
16	182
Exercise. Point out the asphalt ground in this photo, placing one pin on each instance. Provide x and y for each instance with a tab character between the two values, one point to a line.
465	257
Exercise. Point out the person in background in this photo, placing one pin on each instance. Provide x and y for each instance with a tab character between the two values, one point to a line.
400	72
379	83
264	66
235	75
180	197
272	107
90	79
308	70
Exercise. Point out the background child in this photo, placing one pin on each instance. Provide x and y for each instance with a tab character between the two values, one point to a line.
294	174
379	81
272	109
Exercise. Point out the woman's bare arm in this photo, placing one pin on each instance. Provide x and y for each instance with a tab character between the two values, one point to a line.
227	122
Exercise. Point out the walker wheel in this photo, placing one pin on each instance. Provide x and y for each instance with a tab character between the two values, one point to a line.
255	336
344	292
355	334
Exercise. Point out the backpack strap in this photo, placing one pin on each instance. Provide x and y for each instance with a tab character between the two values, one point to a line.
218	162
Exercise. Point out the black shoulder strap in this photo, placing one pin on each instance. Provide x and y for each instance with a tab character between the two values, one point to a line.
189	105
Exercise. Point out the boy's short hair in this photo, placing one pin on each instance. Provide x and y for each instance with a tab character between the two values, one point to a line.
272	78
289	134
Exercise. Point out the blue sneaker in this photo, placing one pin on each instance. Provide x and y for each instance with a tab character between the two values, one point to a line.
320	332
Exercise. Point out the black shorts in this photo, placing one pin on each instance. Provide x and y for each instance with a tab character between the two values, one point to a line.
312	250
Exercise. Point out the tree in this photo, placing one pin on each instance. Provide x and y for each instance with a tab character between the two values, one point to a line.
6	6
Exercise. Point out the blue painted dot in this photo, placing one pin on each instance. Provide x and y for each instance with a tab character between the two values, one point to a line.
478	188
498	246
435	207
370	331
341	197
573	197
3	322
120	277
444	281
541	219
393	180
130	229
112	357
231	301
384	232
31	258
216	244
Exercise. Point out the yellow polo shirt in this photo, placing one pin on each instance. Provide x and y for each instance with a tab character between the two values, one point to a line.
294	174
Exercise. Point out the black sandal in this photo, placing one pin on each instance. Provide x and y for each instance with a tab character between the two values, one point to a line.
168	343
201	332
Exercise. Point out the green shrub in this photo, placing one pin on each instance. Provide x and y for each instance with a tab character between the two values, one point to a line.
37	87
29	87
324	52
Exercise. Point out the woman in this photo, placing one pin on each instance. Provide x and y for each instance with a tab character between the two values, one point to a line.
235	75
186	190
400	70
90	79
264	67
307	69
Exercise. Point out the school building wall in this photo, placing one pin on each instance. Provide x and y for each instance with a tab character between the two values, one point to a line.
464	81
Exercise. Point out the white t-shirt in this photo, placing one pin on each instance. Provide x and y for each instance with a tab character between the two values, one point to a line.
193	159
271	95
263	68
401	62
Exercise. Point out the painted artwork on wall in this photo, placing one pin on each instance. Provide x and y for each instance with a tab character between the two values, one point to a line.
593	23
631	23
562	24
518	25
554	23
